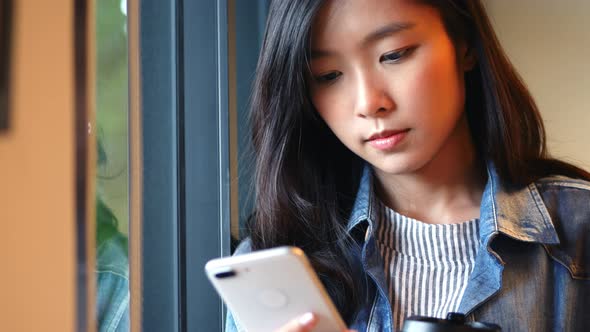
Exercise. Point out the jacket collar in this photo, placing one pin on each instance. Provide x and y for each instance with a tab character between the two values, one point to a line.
363	202
517	213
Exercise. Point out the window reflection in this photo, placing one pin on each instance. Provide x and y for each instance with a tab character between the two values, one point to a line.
112	191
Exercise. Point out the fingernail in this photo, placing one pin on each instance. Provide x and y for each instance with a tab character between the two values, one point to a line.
306	319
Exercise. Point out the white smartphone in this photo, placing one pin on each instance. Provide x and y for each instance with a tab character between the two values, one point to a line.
266	289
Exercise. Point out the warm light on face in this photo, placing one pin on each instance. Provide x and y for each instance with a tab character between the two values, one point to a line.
384	77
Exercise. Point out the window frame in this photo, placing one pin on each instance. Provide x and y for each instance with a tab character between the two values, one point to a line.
180	163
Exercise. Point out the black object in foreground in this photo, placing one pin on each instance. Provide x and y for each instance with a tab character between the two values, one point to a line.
5	55
455	322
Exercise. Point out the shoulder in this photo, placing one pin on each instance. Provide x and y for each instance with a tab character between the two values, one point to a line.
111	256
568	203
560	182
565	197
112	275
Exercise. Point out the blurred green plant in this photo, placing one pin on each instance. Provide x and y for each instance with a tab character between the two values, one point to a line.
112	101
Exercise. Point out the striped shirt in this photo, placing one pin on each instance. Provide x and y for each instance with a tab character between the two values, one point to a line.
427	266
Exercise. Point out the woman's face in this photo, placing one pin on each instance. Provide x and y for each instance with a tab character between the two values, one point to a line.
387	81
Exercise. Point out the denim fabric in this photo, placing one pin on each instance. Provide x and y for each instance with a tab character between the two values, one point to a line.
532	269
112	275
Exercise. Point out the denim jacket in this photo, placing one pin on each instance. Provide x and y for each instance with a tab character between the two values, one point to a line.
532	269
112	280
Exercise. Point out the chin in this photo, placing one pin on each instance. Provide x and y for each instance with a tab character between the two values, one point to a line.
395	168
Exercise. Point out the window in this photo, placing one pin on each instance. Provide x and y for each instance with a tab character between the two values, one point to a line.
112	263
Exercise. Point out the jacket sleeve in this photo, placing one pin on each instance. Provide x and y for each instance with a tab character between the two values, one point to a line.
230	323
112	291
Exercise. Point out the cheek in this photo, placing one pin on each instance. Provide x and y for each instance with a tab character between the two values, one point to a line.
329	106
436	89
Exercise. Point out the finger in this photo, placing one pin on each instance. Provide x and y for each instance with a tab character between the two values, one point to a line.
303	323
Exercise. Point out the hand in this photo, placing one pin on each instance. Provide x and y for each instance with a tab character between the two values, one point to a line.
303	323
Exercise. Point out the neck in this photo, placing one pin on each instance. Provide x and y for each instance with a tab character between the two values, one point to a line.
446	190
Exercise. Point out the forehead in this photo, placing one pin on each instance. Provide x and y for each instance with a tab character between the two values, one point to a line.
344	20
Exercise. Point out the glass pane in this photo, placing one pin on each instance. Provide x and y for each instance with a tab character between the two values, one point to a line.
112	173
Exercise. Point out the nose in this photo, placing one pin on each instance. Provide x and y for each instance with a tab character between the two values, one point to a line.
372	98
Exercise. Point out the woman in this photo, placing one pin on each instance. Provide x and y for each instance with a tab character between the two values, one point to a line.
112	265
397	146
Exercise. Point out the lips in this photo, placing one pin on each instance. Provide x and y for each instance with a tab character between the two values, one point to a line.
388	139
386	133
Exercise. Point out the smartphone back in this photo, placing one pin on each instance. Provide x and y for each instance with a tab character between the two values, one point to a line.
266	289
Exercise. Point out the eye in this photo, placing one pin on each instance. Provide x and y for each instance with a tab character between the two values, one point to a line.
396	56
328	77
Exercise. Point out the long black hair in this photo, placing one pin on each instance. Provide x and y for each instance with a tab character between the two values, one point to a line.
305	179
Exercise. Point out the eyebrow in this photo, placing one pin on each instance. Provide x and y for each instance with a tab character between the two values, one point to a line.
385	31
